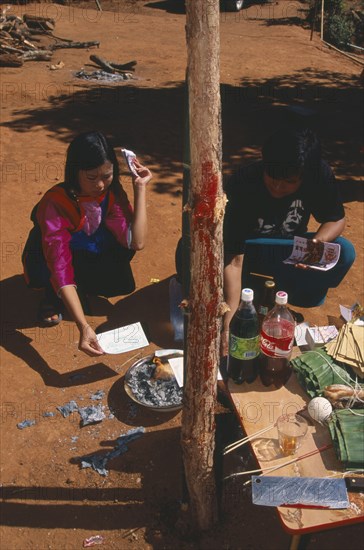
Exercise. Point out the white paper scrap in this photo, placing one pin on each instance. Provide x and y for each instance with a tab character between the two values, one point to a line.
177	367
129	157
346	312
317	336
300	334
123	339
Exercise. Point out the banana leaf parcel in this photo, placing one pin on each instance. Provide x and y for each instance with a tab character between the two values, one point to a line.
316	369
347	434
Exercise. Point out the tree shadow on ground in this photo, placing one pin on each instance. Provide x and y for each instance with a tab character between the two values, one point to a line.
286	21
327	102
101	509
152	121
169	6
20	330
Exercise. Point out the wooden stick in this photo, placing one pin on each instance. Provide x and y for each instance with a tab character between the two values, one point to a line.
98	5
241	442
37	55
60	45
124	66
107	65
271	469
261	275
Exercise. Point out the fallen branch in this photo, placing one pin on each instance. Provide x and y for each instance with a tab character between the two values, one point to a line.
10	60
37	55
110	67
59	45
124	66
102	63
41	23
10	49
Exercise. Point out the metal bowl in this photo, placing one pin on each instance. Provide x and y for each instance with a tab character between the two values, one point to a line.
136	366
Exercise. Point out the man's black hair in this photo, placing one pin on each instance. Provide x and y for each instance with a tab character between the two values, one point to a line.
289	152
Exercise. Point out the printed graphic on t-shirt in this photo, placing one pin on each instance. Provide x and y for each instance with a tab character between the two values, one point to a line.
289	225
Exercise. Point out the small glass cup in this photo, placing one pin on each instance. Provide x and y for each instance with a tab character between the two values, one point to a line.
292	428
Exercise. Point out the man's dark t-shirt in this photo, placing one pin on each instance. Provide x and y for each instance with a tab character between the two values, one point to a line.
252	212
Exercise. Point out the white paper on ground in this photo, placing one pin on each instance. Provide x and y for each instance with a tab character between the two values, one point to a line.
123	339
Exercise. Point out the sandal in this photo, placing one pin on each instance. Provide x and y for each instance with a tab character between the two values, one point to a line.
45	313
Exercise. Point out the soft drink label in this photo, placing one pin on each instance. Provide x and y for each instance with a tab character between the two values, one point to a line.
243	348
275	347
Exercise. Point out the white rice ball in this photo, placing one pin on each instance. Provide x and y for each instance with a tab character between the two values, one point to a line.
319	409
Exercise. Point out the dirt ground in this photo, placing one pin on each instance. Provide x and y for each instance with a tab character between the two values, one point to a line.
267	64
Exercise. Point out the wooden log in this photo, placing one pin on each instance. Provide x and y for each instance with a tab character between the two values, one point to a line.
37	22
37	55
105	65
60	45
10	49
30	44
110	67
10	60
206	306
4	35
124	66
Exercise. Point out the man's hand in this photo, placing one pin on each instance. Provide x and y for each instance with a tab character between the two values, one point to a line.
315	249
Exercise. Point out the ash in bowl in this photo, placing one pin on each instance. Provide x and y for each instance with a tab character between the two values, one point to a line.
151	392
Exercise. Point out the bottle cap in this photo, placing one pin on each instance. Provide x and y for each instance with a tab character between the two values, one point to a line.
269	284
281	298
247	295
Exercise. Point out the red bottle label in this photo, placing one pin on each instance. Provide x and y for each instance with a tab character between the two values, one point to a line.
276	347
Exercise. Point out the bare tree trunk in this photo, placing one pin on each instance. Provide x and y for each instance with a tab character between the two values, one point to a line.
206	205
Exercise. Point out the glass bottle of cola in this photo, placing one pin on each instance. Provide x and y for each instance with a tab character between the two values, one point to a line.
244	341
267	301
276	342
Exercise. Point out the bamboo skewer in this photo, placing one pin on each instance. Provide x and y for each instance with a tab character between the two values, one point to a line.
273	468
241	442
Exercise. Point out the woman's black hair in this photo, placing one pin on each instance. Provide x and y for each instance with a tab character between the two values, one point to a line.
291	152
87	152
